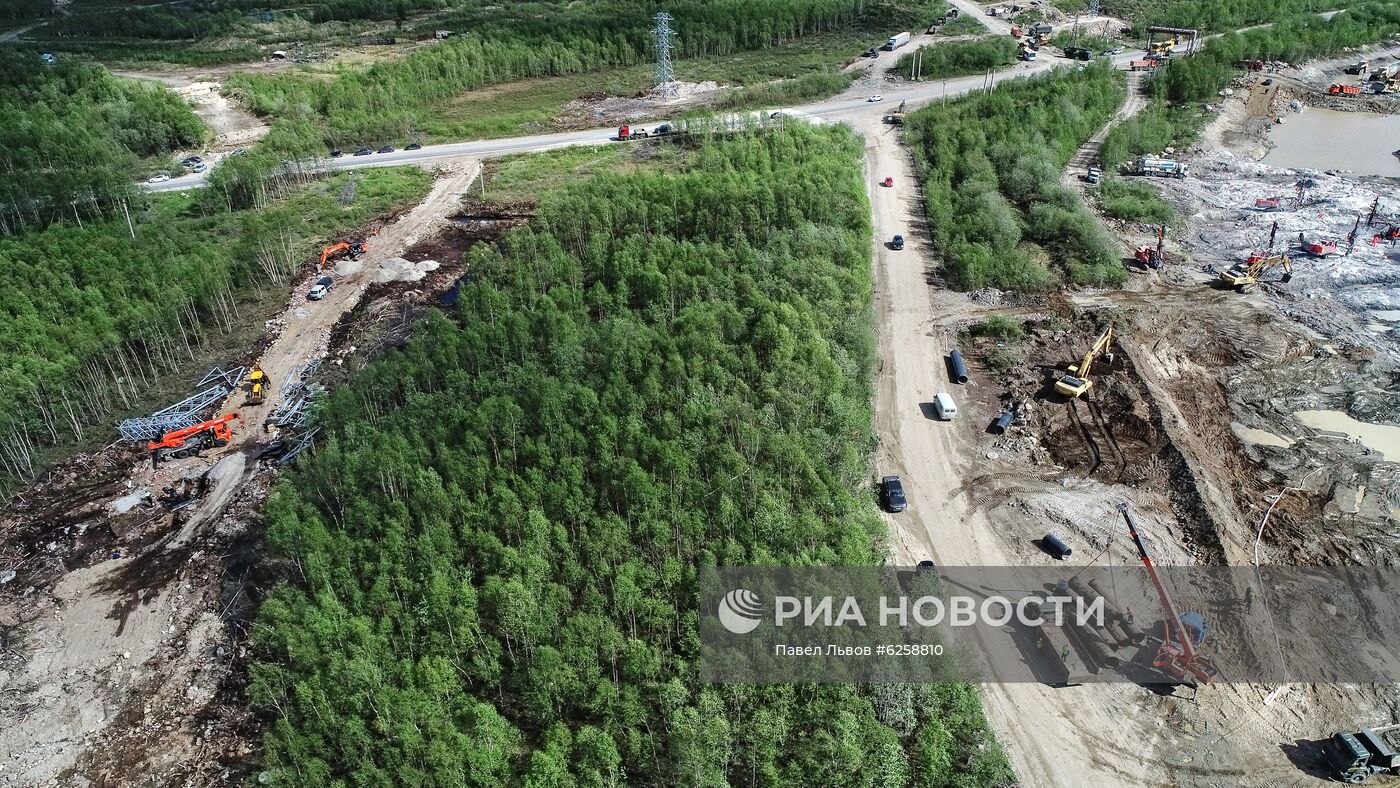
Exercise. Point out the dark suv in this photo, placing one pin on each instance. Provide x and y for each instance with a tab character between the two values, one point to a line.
892	490
897	243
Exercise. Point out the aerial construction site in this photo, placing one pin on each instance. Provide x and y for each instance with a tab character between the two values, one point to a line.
1188	373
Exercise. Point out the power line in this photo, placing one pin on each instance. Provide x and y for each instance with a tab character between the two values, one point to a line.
665	74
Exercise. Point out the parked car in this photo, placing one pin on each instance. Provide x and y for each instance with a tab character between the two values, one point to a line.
190	161
888	181
944	407
320	289
336	153
898	242
201	167
892	491
237	151
1094	175
876	97
413	146
363	152
387	149
161	178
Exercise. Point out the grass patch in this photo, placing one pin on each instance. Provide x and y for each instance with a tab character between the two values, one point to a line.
956	58
785	91
998	327
1134	201
523	178
1157	127
963	26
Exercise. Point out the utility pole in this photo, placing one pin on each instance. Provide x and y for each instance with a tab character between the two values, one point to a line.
665	74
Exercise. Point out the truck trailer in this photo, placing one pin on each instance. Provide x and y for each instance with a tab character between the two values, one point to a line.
896	41
1165	168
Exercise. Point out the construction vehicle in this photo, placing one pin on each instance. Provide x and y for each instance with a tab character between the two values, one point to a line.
1358	68
1344	90
342	249
1027	53
625	132
1143	65
897	117
1077	380
1176	657
1267	204
896	41
1016	31
1321	248
1245	275
1356	756
1250	65
1150	256
1165	47
257	386
1078	53
1148	165
189	441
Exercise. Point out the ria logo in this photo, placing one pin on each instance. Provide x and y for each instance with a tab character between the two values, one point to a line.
740	611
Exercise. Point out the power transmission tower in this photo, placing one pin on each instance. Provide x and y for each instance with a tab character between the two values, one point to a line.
665	74
1093	7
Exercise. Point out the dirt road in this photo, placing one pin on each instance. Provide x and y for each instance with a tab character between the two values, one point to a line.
1070	736
135	638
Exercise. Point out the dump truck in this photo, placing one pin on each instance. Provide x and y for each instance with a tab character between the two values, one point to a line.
1142	65
896	41
1356	756
1078	53
1344	90
1166	168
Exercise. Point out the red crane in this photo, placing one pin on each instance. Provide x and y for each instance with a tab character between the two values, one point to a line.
188	441
1177	657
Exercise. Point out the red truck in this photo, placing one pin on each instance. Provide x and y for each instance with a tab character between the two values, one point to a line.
628	133
1344	90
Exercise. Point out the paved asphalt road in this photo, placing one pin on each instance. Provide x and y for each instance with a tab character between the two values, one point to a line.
850	107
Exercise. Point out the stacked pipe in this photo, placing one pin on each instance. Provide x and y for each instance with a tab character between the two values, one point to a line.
1130	629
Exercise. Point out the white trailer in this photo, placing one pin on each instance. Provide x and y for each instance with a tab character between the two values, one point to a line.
896	41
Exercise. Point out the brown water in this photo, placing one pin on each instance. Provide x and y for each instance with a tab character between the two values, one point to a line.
1324	139
1379	437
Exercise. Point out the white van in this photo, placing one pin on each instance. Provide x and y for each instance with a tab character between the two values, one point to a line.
944	407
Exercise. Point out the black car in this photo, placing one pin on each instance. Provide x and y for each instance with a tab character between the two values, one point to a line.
892	490
411	146
664	128
898	242
336	152
190	161
387	149
363	152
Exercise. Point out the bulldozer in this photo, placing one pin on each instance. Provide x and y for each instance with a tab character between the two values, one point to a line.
342	249
1245	275
189	441
257	386
1076	381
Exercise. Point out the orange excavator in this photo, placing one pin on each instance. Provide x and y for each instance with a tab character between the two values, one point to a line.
189	441
1177	657
342	249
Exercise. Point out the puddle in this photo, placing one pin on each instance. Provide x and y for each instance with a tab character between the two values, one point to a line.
1379	437
1325	139
1391	315
1259	437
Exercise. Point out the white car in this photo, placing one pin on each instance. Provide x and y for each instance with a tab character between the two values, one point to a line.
876	97
161	178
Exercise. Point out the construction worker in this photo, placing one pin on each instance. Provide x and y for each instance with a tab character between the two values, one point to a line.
1128	615
1249	599
1040	644
1064	653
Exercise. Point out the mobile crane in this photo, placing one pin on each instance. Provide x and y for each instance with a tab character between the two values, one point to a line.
1077	381
1246	274
1177	657
338	250
189	441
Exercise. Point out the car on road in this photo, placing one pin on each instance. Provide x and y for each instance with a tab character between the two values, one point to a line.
190	161
1116	51
1268	82
876	97
412	146
161	178
201	167
387	149
237	151
943	406
888	181
320	289
664	128
1094	175
927	565
897	243
892	491
337	153
363	152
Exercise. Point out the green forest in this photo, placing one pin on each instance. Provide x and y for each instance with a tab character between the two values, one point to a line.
956	58
990	166
1211	16
493	554
95	318
71	137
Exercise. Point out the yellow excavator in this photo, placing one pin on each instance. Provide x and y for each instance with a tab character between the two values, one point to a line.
1246	274
257	386
1077	380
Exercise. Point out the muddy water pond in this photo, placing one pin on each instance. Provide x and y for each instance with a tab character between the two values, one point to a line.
1377	437
1324	139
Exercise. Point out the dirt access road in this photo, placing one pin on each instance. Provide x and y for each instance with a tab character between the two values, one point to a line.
1070	736
127	656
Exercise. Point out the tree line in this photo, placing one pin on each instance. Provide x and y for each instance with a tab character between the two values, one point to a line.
1212	16
956	58
71	135
493	554
95	314
990	165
